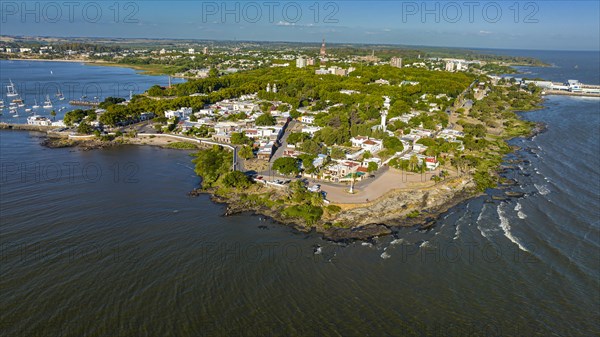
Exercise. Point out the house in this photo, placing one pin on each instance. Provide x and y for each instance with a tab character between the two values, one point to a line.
291	153
310	129
265	151
307	119
38	120
222	138
319	161
321	71
144	116
340	169
419	148
382	81
181	113
368	144
431	163
225	127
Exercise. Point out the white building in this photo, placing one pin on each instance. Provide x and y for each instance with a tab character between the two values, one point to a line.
310	129
396	62
369	144
38	120
431	163
307	119
181	113
301	62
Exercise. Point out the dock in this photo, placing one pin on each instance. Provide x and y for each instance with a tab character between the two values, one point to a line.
27	127
570	93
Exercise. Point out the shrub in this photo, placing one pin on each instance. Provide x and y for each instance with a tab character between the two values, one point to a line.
307	212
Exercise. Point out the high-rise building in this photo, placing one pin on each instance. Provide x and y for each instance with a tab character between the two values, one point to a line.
300	62
449	66
205	51
396	62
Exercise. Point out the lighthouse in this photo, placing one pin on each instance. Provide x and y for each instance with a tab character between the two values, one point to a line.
384	113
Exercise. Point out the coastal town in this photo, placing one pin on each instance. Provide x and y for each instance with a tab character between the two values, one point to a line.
349	129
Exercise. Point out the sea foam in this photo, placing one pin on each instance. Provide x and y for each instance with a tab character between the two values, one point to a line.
505	225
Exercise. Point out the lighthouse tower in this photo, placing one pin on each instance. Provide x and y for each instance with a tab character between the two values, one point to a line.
384	113
384	120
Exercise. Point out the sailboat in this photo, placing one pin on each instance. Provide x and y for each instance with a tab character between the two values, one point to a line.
35	106
60	95
48	103
12	91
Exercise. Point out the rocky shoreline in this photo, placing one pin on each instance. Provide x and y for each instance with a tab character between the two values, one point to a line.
85	145
416	208
400	208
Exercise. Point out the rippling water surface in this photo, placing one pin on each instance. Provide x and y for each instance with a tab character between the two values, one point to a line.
108	243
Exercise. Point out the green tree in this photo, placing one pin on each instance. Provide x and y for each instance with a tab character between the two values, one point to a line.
213	163
236	179
53	114
372	167
297	137
156	91
239	138
246	152
427	141
393	143
265	119
84	128
213	72
287	165
337	153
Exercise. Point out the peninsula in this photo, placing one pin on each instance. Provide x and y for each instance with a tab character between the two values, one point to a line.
347	145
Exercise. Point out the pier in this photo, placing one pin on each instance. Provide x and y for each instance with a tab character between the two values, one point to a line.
570	93
27	127
570	88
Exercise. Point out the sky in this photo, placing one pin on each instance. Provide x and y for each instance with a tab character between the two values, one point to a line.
544	25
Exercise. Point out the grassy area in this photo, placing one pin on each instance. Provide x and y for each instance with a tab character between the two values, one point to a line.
182	146
146	69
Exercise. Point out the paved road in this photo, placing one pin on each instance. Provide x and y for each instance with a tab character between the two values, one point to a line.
283	141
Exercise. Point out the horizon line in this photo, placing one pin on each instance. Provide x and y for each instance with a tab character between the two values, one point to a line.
292	42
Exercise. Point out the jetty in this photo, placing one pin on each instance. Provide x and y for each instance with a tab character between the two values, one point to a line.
570	93
569	88
84	103
27	127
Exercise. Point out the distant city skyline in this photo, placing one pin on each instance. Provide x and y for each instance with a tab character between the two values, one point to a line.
546	25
